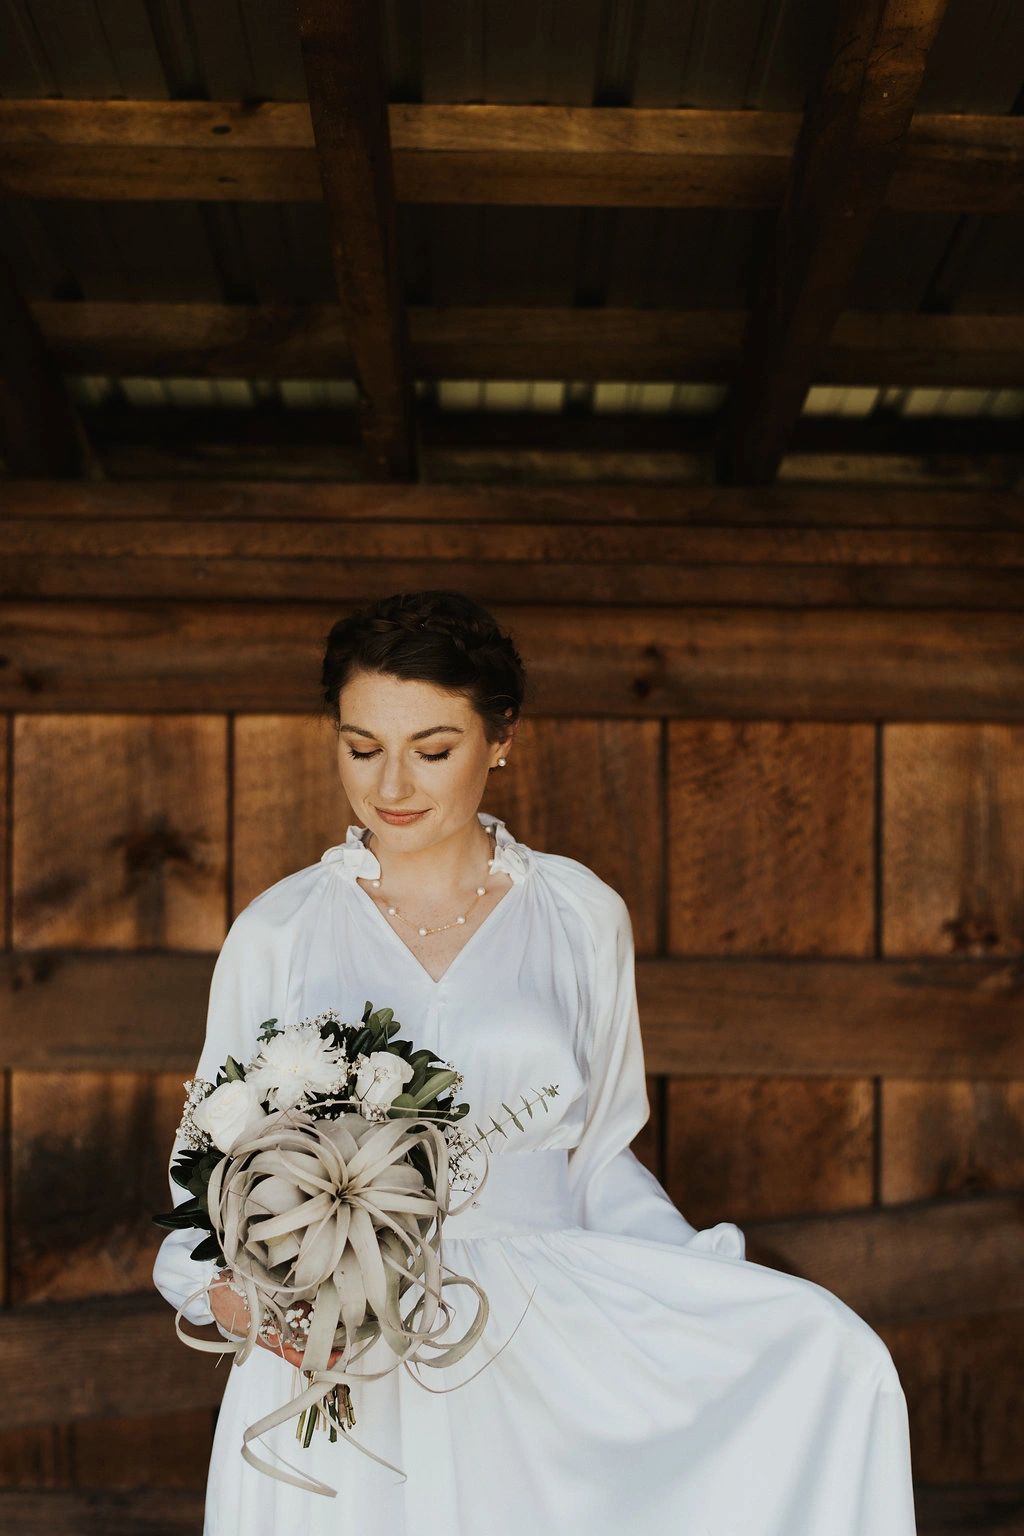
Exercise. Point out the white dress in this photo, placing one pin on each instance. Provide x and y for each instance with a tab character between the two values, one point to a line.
659	1379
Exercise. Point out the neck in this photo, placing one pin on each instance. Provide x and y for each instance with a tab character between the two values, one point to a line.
441	872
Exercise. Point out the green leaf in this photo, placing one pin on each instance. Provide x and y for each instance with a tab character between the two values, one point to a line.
434	1085
515	1117
196	1207
209	1248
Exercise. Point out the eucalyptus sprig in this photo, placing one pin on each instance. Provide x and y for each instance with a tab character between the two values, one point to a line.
549	1092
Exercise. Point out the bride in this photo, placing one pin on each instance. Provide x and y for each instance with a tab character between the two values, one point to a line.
658	1379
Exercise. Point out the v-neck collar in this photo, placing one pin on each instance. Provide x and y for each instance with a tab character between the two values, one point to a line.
353	860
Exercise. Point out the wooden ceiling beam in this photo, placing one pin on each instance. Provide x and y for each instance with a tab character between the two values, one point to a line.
636	157
342	56
161	340
851	140
830	508
971	454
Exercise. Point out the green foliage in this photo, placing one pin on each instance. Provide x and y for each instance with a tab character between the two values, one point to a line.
209	1248
433	1086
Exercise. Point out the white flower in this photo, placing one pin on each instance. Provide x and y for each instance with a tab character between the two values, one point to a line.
296	1062
228	1111
381	1078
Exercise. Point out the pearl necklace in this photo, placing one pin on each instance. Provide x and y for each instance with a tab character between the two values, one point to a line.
481	890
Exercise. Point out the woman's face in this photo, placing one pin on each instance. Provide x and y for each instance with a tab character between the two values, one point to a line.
411	746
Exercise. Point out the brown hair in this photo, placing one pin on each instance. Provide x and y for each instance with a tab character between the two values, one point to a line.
434	636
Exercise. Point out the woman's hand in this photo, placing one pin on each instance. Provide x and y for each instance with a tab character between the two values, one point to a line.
232	1311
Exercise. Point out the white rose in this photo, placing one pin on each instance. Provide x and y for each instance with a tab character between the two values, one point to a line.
381	1077
229	1110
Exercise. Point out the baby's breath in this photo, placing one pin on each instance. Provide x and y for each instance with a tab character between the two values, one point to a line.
196	1090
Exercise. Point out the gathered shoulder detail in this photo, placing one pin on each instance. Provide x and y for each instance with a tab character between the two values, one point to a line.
580	888
353	860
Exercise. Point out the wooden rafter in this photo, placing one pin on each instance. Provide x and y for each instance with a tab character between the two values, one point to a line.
341	52
287	341
39	430
476	153
851	140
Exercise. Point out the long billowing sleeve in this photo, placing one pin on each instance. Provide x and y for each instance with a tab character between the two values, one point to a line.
613	1190
240	999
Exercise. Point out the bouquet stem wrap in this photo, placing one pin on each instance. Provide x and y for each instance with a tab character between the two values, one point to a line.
332	1211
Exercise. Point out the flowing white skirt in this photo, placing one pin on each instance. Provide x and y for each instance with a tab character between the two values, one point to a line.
649	1386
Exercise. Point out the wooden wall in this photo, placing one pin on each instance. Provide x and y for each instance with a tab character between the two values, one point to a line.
814	811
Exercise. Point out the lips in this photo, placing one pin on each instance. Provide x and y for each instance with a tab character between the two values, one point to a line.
400	817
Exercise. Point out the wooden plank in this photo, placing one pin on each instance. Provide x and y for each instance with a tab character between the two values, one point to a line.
132	849
114	1350
829	507
952	819
753	1149
849	146
599	542
40	433
719	663
770	832
950	1138
237	341
969	1509
962	1377
953	827
829	1018
480	153
949	1259
88	1167
342	48
98	1511
52	574
735	1017
906	567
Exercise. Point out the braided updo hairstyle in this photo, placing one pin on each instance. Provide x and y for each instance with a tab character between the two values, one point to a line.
432	636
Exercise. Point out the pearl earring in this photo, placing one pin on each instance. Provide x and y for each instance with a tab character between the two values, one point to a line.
501	762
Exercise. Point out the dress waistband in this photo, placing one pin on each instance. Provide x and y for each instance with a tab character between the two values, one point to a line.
526	1191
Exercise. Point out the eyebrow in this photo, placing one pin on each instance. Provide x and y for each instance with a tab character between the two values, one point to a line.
432	730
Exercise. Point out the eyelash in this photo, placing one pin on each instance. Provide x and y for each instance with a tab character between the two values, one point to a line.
428	757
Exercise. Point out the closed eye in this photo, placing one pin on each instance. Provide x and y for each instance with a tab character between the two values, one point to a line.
428	757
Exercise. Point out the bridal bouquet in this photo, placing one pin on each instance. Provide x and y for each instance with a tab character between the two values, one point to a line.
321	1172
